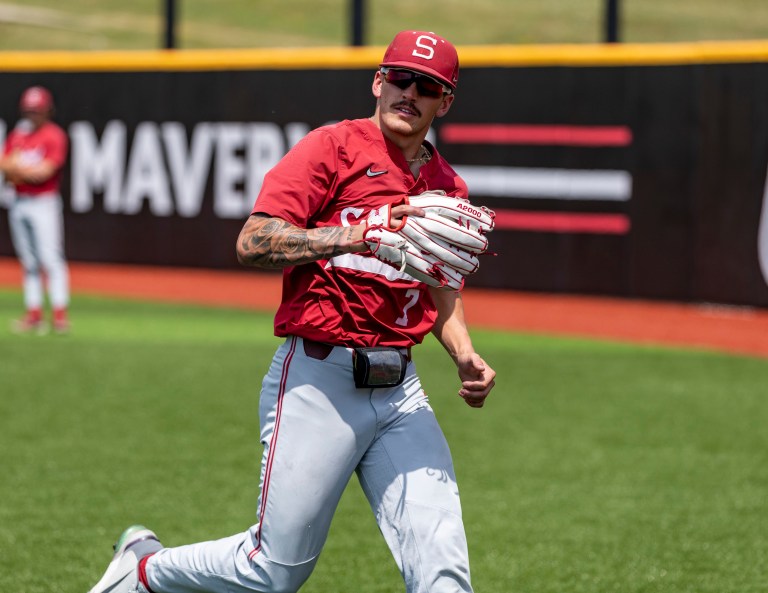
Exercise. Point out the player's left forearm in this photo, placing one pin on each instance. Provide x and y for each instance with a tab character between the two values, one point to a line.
450	328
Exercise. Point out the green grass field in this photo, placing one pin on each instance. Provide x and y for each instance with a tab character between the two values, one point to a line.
595	467
109	24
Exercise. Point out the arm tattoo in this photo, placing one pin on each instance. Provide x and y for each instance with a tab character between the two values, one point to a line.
275	243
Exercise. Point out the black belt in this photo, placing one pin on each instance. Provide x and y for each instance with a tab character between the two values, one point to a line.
321	350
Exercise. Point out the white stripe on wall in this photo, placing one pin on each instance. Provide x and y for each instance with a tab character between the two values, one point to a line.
561	184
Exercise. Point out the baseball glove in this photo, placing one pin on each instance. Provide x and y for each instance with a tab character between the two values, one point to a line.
440	248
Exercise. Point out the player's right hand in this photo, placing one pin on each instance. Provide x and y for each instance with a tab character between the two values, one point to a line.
477	380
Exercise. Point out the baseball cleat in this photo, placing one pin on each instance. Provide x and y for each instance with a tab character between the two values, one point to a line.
27	325
60	321
61	327
122	575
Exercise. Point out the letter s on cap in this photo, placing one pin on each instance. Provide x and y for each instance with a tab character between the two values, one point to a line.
428	49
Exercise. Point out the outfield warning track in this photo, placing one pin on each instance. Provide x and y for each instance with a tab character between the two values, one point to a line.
739	330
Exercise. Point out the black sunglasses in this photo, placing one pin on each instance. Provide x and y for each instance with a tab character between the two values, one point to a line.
425	85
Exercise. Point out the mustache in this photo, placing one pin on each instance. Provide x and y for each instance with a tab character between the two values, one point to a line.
409	105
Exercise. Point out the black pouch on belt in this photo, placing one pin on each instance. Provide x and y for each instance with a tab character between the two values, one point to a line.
379	366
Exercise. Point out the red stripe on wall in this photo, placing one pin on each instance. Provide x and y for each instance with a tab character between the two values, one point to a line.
563	222
533	134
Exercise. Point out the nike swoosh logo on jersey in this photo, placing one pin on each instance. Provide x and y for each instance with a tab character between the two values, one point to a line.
371	173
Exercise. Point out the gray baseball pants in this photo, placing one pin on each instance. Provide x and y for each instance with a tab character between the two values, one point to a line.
317	430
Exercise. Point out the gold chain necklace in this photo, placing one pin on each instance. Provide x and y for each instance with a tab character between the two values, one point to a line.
423	157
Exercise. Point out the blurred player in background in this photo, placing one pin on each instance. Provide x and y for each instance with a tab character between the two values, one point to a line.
31	161
344	311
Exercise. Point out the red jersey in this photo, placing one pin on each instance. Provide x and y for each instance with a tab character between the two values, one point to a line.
48	142
335	176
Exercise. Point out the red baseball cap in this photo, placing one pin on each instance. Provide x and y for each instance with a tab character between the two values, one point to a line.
426	53
36	99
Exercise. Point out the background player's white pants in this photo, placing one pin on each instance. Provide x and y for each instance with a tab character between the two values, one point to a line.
37	232
318	429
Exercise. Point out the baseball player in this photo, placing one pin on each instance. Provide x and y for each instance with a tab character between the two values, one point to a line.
342	395
32	159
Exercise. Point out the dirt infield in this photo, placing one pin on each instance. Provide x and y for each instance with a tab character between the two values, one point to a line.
729	329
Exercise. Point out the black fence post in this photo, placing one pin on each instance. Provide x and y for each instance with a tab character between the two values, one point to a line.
170	24
358	22
612	19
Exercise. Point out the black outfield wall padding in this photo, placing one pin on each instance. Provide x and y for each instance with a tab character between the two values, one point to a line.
637	171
